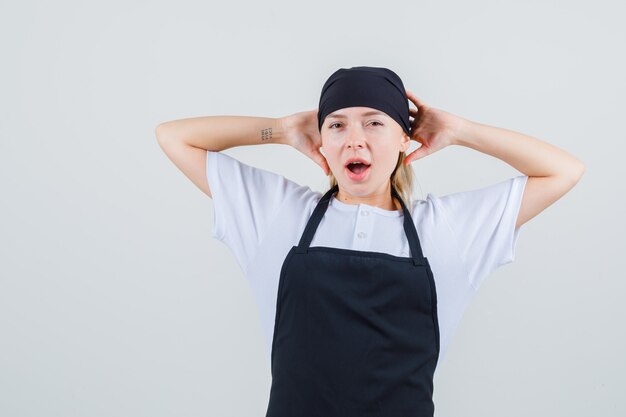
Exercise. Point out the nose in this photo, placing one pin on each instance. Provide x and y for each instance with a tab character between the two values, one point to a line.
355	138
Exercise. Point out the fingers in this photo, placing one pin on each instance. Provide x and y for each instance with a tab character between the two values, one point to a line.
413	113
419	153
321	161
416	100
416	113
326	169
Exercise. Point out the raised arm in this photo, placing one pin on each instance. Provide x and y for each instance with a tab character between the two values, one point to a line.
551	171
186	141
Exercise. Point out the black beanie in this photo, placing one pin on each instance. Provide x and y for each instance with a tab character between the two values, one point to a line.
378	88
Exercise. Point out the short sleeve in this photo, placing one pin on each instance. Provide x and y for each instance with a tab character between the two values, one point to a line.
246	200
483	224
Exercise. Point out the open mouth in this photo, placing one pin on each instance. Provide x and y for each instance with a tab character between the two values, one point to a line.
357	170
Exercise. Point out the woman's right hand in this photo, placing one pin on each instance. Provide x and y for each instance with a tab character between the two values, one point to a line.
302	133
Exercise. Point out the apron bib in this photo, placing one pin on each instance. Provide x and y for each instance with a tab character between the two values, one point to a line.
356	332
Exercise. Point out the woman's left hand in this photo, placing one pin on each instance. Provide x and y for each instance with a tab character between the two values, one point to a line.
433	128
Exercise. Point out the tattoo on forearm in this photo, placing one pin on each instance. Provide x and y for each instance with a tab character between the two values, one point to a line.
266	134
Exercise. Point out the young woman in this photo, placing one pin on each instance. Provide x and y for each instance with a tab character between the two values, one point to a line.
360	288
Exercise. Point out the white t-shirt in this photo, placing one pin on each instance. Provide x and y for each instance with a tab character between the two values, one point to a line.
259	215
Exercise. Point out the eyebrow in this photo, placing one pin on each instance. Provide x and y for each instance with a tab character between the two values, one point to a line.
368	113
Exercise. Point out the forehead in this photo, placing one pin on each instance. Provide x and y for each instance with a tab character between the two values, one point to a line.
356	112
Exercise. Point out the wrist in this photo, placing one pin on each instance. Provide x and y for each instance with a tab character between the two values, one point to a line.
462	132
279	129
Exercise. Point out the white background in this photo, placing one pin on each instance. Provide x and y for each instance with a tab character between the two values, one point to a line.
114	299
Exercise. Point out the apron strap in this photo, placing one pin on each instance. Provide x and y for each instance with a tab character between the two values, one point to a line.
322	205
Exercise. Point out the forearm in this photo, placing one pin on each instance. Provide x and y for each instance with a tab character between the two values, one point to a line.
217	133
527	154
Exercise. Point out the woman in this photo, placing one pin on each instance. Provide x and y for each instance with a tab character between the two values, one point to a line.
359	292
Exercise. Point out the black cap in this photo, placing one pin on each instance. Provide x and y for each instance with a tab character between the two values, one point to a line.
375	87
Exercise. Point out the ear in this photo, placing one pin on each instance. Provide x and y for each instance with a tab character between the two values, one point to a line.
406	142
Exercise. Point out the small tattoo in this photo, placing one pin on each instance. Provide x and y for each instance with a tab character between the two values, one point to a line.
266	134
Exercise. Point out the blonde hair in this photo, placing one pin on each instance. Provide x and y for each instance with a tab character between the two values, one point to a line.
402	179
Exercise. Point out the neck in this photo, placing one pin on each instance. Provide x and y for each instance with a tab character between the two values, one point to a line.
383	199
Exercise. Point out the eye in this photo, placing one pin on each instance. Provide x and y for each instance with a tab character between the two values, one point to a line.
330	126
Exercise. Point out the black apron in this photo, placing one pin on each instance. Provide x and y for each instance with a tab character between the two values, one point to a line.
356	332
